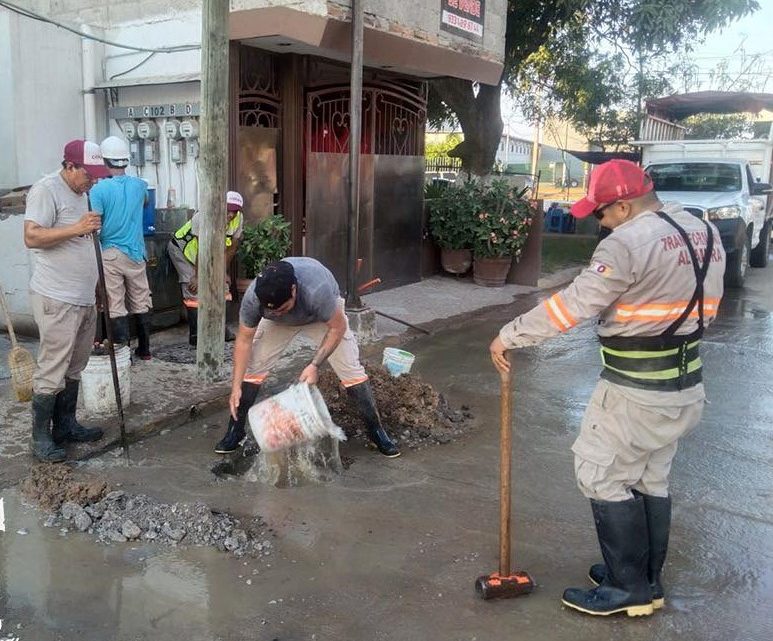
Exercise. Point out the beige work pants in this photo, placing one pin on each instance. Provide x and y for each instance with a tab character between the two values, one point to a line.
127	286
66	341
624	445
271	339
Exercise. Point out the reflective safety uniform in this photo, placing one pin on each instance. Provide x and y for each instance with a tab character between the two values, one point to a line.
188	242
652	302
183	251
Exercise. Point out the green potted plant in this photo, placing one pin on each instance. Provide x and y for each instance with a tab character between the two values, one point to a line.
261	243
501	229
451	223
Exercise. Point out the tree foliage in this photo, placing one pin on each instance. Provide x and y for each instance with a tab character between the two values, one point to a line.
590	62
712	126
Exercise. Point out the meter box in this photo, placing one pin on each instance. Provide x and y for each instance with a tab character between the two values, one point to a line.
172	129
177	151
129	129
137	153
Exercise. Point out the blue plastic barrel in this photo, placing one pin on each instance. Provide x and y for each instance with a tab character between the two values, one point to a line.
149	213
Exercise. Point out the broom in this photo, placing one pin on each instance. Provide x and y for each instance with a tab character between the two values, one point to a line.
20	361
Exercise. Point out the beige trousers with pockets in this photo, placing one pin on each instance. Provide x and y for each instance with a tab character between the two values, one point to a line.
66	340
127	284
271	339
625	445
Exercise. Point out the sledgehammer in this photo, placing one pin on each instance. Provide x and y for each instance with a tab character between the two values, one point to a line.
504	584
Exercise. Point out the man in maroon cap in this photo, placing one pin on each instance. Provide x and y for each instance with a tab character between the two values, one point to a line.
653	284
57	228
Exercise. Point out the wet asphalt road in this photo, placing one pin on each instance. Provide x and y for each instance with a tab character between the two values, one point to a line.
391	549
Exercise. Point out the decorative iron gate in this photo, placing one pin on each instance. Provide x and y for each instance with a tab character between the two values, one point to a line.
391	179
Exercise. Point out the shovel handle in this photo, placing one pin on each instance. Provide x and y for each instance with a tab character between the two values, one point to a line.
8	323
505	449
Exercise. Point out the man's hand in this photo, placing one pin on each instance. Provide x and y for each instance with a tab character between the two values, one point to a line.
310	374
88	223
236	396
193	284
499	355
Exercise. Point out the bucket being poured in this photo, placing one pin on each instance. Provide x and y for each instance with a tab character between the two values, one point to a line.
297	415
97	389
397	361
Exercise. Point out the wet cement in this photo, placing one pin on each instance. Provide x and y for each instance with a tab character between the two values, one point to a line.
391	548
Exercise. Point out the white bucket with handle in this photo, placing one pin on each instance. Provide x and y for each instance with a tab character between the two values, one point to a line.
97	389
297	415
397	361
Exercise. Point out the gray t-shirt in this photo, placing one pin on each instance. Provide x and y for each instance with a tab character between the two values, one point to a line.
68	271
316	297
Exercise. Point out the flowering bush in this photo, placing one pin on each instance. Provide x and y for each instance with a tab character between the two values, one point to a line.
452	215
502	222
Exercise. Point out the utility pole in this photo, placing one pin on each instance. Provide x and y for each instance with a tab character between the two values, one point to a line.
212	187
353	301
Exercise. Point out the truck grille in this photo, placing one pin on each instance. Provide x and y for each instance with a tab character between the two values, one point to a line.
696	211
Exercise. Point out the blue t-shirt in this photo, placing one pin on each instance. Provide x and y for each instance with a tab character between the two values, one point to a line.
120	200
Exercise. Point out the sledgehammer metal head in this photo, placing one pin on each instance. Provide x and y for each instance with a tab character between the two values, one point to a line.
495	586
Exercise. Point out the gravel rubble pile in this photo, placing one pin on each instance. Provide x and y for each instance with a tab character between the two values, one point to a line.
118	517
413	412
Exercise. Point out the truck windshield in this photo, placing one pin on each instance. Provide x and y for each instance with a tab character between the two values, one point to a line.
696	176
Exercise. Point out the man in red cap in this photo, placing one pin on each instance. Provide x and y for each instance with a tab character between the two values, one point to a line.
654	283
57	228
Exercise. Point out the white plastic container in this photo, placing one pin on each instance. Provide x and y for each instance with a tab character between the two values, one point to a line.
97	383
397	361
297	415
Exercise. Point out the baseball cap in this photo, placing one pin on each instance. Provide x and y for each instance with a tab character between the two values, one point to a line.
274	285
86	154
234	201
612	181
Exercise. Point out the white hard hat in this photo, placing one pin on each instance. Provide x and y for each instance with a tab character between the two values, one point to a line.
234	201
115	150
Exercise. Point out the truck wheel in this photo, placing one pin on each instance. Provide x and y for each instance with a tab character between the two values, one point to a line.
735	270
759	255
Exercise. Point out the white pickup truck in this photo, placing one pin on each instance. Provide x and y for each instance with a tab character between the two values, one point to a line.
726	182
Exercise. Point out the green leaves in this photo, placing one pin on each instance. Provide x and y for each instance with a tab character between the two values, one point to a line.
491	219
267	241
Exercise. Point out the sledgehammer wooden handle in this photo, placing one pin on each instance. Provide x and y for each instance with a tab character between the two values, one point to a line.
505	448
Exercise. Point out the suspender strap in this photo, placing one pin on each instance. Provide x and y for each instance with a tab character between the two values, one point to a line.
700	274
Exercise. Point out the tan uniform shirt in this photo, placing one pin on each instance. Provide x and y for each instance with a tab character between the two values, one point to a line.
639	282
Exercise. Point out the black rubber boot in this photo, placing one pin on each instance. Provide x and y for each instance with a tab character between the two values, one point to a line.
66	427
43	447
193	326
366	404
658	511
235	433
143	336
120	327
621	527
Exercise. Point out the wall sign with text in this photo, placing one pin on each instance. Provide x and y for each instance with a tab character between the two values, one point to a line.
463	17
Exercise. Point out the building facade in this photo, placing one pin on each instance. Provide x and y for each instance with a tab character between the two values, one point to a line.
288	123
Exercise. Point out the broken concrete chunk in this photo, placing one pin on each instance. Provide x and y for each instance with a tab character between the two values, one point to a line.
82	521
130	530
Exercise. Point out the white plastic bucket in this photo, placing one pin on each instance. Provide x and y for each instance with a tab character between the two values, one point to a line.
397	361
297	415
97	383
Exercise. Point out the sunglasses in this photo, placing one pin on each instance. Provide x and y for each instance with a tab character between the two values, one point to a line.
599	213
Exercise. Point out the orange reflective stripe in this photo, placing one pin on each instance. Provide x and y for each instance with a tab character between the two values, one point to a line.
354	381
663	311
255	379
558	313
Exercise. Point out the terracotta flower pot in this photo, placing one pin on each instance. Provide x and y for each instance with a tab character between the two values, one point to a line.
491	272
456	261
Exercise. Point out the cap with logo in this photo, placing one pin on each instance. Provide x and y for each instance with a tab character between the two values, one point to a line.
612	181
234	201
86	154
274	284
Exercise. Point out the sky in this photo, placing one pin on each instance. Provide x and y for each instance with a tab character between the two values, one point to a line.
750	36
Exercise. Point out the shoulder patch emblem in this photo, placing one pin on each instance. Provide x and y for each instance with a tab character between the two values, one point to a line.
601	268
